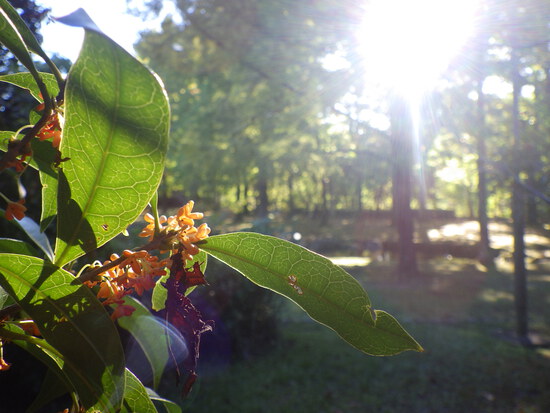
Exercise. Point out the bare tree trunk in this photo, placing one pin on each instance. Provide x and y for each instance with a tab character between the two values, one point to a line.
401	144
484	242
518	216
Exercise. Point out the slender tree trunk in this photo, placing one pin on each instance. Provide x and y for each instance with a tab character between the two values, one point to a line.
484	242
263	198
290	184
518	216
402	173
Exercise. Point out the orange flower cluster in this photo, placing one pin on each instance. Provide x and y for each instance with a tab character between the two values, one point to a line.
15	210
183	226
22	153
51	130
138	271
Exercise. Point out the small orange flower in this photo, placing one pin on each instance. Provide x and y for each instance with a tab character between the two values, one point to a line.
122	310
4	366
51	130
186	217
15	210
149	230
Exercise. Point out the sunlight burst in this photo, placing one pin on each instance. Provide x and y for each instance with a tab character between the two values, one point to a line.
407	44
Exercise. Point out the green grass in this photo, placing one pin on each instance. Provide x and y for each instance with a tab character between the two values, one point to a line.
462	317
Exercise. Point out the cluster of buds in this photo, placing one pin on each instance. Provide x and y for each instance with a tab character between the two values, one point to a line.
178	232
52	129
138	271
21	151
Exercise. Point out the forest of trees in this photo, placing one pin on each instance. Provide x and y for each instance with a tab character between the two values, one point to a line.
252	95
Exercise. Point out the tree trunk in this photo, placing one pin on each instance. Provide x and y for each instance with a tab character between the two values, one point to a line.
263	198
402	173
518	216
484	257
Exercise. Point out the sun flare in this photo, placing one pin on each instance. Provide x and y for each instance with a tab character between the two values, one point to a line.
407	44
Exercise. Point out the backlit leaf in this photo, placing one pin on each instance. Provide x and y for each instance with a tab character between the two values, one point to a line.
16	246
136	398
151	335
24	31
325	291
115	134
168	405
74	323
32	230
26	80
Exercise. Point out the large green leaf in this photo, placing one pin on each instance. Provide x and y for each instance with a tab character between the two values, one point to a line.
325	291
73	322
115	134
136	398
150	333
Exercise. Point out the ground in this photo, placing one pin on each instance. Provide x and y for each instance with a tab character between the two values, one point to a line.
461	313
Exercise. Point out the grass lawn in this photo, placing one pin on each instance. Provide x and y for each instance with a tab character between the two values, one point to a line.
463	317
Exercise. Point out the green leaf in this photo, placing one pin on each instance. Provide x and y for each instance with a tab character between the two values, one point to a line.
325	291
24	31
44	155
43	159
16	246
42	351
52	388
32	230
11	38
158	298
26	80
136	398
168	405
115	134
74	323
5	299
150	333
5	137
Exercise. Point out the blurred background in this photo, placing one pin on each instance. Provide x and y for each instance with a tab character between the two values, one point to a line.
407	141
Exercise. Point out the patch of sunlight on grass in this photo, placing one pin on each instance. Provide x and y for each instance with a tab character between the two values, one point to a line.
501	240
351	261
544	352
540	278
493	296
537	239
468	230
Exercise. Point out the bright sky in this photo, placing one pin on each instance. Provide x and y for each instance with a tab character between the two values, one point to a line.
407	44
109	15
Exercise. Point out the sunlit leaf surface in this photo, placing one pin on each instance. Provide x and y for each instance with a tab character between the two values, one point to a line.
115	136
136	398
150	333
325	291
26	81
73	322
